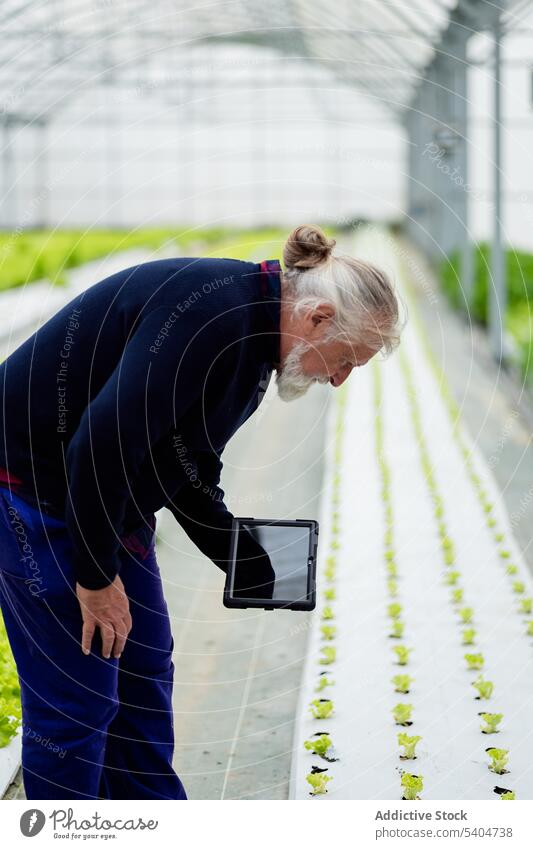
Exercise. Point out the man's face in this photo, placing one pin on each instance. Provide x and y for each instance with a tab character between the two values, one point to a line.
307	363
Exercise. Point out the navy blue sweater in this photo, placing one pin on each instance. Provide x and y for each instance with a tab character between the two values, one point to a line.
123	401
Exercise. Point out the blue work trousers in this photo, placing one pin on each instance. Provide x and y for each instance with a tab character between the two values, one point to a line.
92	728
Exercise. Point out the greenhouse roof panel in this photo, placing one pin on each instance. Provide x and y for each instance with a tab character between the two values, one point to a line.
53	51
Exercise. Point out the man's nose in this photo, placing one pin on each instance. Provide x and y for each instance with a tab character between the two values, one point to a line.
340	376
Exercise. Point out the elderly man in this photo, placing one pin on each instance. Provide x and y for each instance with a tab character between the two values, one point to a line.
121	404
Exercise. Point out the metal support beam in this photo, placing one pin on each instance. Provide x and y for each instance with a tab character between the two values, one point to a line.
497	291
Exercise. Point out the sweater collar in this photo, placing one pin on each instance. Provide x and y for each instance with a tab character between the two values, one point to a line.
270	288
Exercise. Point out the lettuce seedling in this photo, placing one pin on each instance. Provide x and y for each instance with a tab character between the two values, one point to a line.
328	632
402	683
466	614
392	587
397	628
491	522
526	605
509	794
392	570
409	745
323	681
319	745
519	587
394	610
504	553
321	708
491	720
529	629
511	569
402	713
475	661
412	785
499	758
484	688
330	653
452	577
446	543
498	537
402	653
327	613
318	782
330	594
389	554
457	596
469	636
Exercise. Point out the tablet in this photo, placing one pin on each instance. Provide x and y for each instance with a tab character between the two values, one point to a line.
272	564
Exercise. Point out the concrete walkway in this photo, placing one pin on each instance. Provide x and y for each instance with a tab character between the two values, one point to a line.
238	672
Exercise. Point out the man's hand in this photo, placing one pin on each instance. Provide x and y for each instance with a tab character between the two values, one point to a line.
109	610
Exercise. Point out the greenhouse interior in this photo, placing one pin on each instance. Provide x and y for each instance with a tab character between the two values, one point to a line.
399	131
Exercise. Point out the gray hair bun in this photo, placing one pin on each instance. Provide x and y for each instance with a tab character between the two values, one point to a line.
307	247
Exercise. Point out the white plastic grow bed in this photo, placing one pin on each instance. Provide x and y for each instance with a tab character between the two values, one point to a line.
451	755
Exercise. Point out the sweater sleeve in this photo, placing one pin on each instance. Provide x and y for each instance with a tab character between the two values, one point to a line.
199	508
159	376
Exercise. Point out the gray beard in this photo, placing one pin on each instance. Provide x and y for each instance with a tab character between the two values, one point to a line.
291	383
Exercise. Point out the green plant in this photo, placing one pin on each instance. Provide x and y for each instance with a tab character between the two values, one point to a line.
328	632
491	720
452	577
457	596
392	587
323	681
330	594
504	554
402	653
394	610
499	758
10	708
321	708
519	587
318	781
509	794
475	661
529	629
469	636
511	569
329	655
397	628
526	605
409	745
329	573
402	713
402	683
327	613
319	745
466	614
412	785
484	688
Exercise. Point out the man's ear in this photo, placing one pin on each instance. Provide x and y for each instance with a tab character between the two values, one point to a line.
322	312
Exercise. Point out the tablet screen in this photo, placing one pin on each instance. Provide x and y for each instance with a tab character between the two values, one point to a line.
272	562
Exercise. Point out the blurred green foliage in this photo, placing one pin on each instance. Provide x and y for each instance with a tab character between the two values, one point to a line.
518	321
9	691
